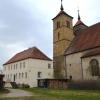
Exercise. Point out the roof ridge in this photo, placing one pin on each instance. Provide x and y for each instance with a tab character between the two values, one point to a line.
79	22
33	52
62	12
94	24
89	38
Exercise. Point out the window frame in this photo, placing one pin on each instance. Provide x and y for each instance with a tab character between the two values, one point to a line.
39	74
95	69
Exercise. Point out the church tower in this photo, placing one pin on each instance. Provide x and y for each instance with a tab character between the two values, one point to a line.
62	37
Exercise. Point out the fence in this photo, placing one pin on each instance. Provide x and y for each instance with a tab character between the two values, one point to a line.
52	83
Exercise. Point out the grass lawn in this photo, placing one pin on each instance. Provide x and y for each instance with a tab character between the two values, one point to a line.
50	94
68	94
2	91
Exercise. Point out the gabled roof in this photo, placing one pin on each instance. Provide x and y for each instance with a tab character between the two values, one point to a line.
62	12
33	53
79	22
89	38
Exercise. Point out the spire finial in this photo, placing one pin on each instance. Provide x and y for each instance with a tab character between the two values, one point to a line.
79	15
61	6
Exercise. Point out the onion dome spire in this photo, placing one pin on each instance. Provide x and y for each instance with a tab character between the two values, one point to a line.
61	6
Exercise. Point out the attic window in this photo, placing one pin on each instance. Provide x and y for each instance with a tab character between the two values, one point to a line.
58	24
68	24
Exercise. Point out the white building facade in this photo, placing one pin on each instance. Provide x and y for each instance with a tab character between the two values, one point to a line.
28	71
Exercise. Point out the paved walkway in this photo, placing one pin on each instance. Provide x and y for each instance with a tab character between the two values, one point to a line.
17	93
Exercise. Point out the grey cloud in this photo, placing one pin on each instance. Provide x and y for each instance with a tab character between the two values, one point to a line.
20	28
26	23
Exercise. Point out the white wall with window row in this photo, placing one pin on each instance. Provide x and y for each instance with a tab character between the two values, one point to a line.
14	66
16	71
28	71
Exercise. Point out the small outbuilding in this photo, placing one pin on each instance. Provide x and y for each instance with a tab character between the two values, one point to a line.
53	83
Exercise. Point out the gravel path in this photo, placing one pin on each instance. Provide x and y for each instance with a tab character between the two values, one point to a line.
17	93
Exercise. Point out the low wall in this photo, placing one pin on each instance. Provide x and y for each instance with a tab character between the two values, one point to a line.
53	83
65	84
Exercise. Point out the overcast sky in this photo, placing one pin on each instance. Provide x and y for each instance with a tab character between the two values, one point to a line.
27	23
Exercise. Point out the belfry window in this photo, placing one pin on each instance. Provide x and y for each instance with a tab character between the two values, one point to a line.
94	65
68	24
58	24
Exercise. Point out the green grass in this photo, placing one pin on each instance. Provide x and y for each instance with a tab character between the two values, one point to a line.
50	94
68	94
3	91
31	98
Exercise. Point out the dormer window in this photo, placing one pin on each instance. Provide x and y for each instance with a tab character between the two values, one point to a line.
58	24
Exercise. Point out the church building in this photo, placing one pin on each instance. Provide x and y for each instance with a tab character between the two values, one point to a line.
76	48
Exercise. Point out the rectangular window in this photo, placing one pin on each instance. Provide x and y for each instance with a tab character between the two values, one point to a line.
16	66
23	64
25	74
39	74
19	75
20	65
22	75
10	76
11	67
16	75
49	66
8	67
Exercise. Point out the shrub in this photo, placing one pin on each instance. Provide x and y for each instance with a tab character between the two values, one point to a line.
89	84
23	85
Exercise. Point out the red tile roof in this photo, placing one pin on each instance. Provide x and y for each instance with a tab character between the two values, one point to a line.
87	39
62	12
79	22
33	53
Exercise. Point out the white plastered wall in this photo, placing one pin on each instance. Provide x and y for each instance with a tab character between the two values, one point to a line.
32	67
